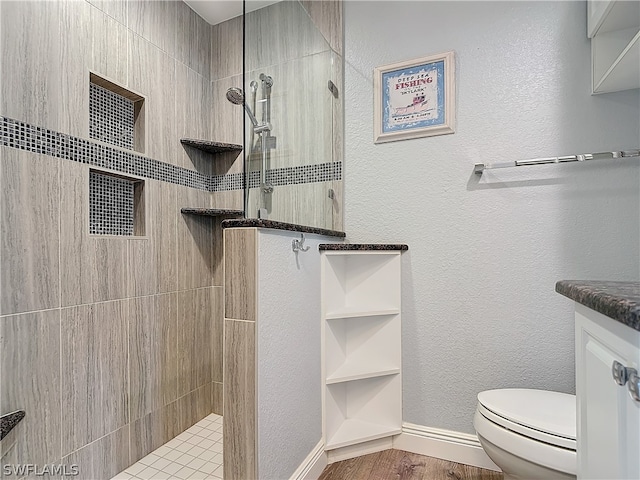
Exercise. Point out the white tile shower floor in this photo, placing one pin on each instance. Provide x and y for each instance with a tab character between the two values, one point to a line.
194	454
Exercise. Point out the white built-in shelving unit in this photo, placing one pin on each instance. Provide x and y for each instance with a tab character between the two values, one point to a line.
362	391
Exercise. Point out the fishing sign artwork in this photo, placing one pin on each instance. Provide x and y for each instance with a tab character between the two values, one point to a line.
415	98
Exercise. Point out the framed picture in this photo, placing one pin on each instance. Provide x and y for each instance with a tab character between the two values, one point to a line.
415	98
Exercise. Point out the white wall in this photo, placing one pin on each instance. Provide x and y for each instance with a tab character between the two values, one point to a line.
479	307
289	378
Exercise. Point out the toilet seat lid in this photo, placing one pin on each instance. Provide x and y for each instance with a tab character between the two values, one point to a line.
550	413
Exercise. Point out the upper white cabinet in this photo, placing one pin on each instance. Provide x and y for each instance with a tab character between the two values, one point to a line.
362	391
608	428
614	29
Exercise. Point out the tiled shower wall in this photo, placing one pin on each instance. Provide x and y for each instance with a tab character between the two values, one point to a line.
300	45
112	345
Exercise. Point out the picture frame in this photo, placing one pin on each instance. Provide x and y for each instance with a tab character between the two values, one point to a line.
414	98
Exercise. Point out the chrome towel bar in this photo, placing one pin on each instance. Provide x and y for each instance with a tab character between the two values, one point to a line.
479	168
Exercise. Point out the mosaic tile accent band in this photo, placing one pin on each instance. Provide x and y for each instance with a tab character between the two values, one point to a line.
110	205
21	135
111	117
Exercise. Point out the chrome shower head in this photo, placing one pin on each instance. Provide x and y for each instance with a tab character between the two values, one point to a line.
254	86
235	95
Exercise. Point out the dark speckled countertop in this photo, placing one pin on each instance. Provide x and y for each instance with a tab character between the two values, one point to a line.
363	246
617	300
8	421
292	227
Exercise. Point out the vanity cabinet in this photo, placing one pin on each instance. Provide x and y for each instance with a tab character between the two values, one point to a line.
361	354
608	428
614	29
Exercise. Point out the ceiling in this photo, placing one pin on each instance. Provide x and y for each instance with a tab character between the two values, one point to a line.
217	11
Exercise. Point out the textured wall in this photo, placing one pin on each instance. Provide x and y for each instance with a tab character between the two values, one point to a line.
479	308
111	344
288	345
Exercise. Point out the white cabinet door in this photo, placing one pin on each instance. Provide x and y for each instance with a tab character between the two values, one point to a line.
608	418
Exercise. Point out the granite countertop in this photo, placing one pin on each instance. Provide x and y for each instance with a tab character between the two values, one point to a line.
292	227
8	421
617	300
212	212
363	246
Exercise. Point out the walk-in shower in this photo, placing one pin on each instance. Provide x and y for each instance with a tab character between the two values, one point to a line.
293	168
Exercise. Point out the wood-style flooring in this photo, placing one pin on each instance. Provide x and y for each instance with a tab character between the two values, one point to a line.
401	465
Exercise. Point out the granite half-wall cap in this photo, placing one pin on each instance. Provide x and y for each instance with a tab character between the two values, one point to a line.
617	300
364	247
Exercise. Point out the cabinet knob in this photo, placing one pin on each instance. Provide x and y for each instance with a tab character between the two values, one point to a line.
634	384
620	374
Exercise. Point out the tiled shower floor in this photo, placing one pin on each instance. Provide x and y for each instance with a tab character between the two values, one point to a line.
194	454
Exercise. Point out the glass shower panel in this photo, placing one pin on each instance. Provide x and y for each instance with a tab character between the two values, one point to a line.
288	72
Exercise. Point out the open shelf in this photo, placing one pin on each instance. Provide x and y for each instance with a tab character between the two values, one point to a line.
357	431
356	312
361	345
349	372
212	212
360	282
211	147
362	410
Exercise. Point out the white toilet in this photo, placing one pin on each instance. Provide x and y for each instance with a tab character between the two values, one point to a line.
529	434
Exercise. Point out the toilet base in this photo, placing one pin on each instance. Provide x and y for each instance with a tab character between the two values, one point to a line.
516	468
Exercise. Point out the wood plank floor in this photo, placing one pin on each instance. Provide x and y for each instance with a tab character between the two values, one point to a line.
401	465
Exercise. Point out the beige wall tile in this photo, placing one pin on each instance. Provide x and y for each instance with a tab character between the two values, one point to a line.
239	418
95	380
217	333
153	331
30	373
193	118
232	199
278	33
193	42
109	40
30	226
227	120
195	239
218	256
30	61
114	8
104	458
155	21
226	48
152	259
152	75
153	430
218	392
195	325
194	406
240	267
75	35
93	268
327	16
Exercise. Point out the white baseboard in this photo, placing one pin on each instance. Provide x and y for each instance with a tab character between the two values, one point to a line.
359	449
445	444
312	466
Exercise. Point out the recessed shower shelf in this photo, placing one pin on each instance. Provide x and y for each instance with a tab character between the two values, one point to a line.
212	212
211	147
